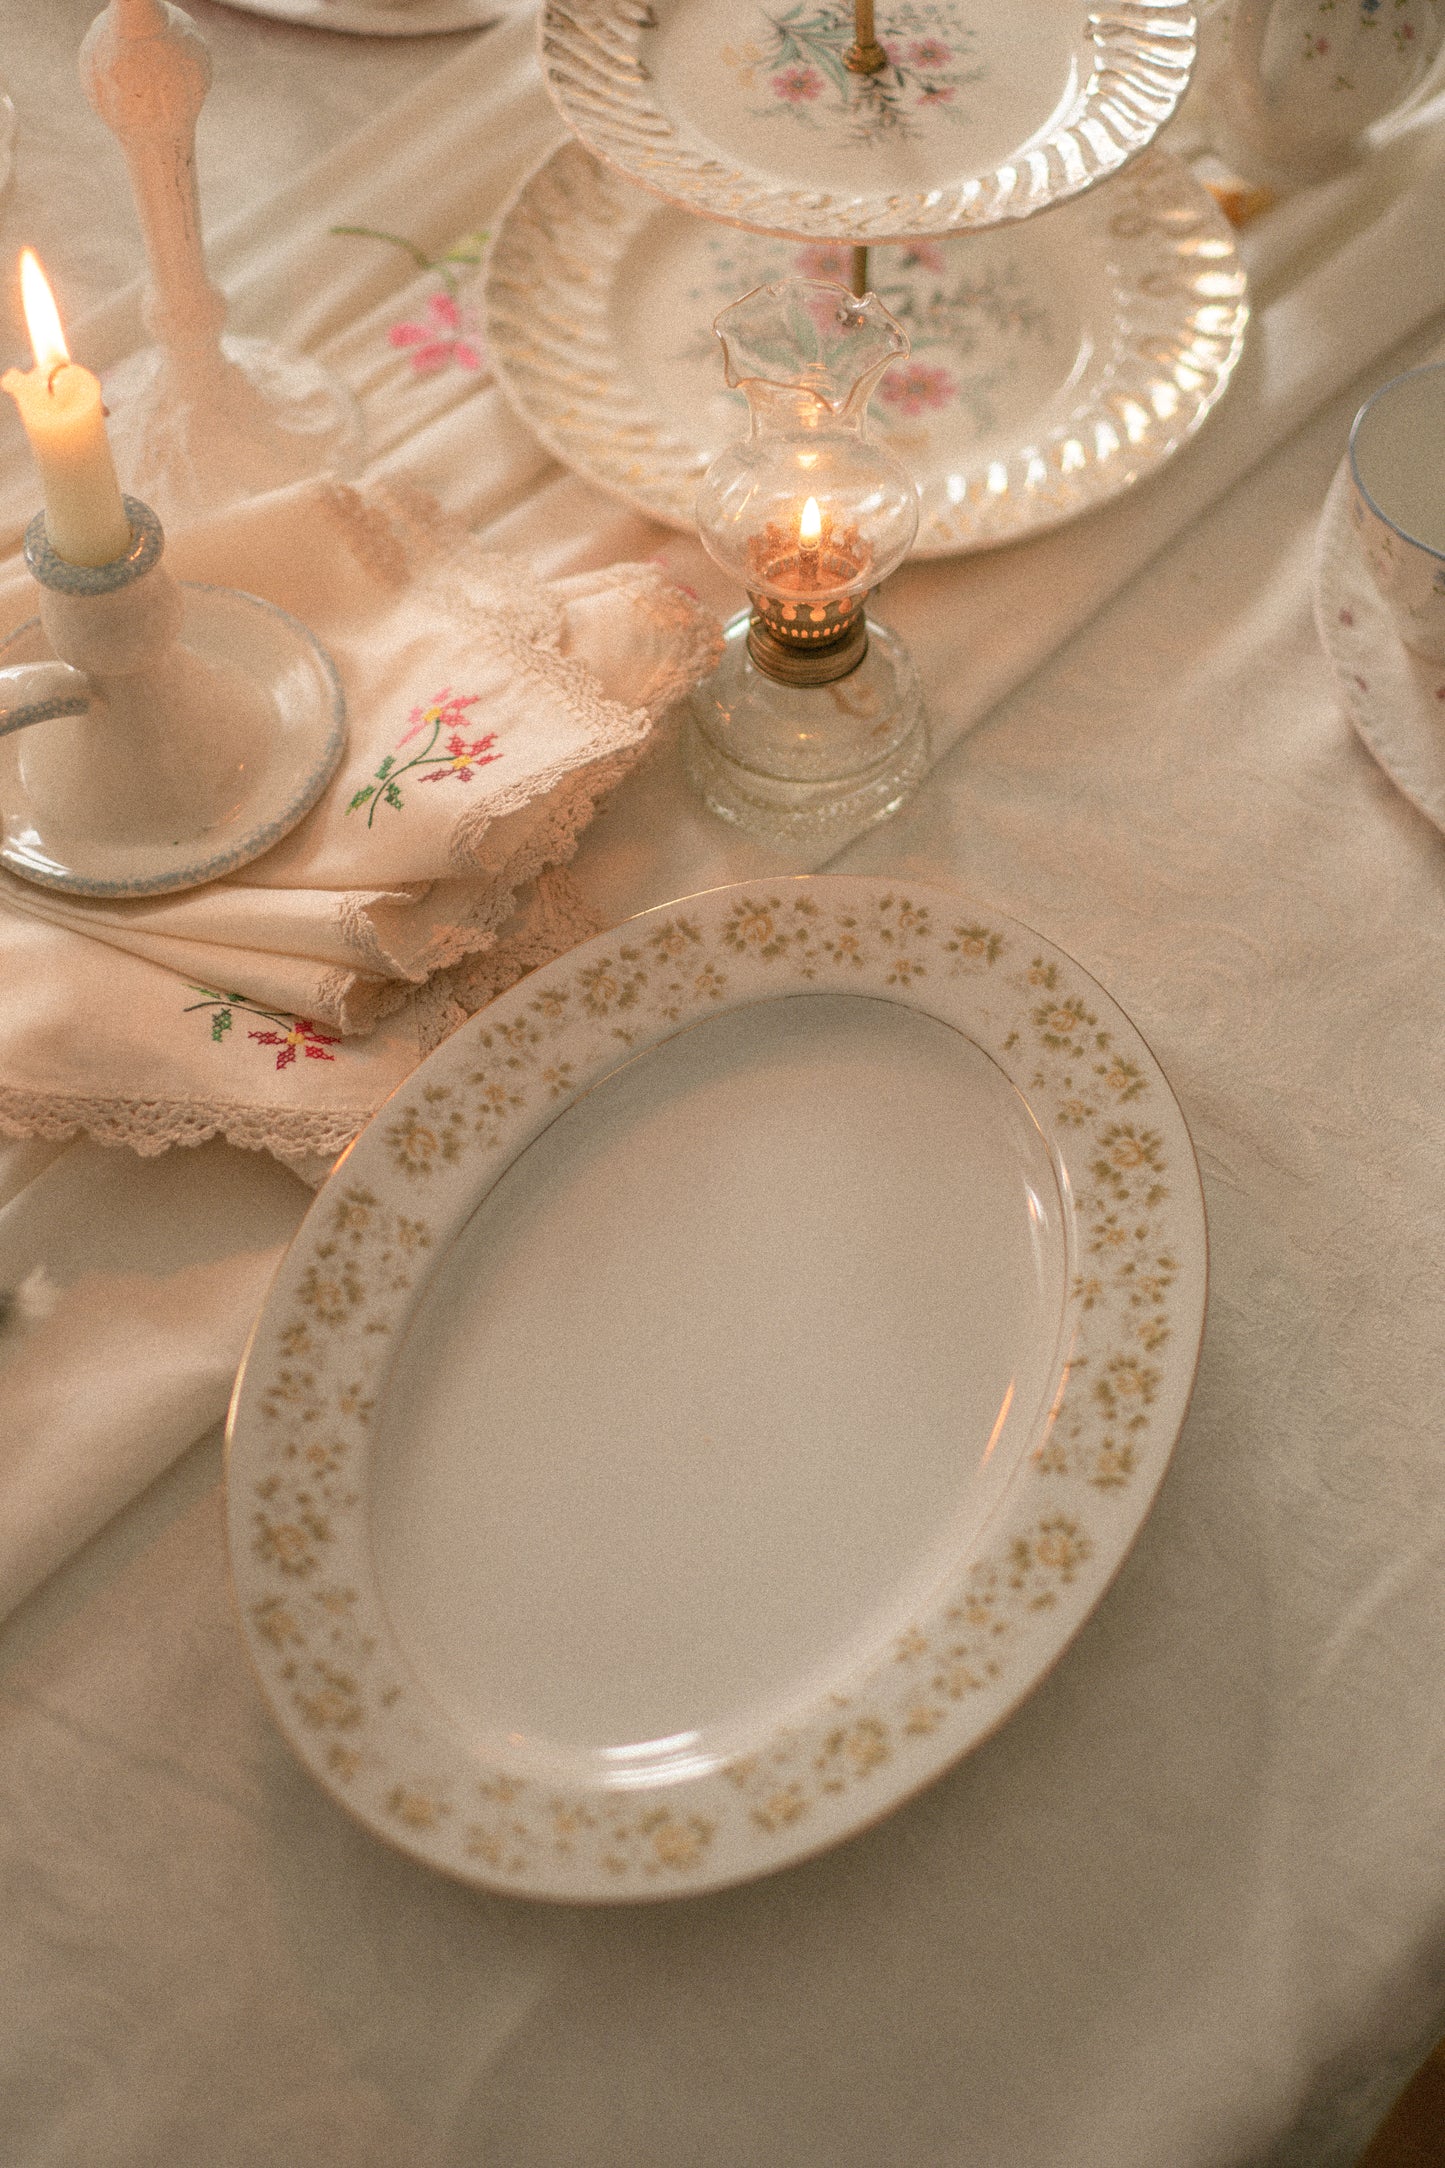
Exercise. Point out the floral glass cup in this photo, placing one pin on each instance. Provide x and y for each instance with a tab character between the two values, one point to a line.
1397	474
1302	80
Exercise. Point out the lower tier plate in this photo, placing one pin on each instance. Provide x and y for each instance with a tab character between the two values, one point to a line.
1054	364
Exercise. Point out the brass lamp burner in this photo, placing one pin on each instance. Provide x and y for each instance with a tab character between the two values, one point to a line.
803	631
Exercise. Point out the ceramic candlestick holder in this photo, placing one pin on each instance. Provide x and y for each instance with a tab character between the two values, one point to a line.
155	735
201	418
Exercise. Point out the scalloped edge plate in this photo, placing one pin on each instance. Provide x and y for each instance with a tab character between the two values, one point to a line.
874	1720
655	90
599	303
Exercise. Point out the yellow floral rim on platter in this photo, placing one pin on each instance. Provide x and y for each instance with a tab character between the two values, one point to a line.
300	1430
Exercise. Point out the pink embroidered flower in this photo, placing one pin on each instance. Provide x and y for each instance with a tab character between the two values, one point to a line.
447	333
446	709
462	759
302	1034
831	261
930	53
798	84
918	387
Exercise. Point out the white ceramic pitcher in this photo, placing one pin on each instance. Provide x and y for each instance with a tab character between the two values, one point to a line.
1300	81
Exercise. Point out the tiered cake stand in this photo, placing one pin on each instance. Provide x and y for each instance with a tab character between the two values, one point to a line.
1054	363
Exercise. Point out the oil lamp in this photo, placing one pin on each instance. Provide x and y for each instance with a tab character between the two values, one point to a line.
812	727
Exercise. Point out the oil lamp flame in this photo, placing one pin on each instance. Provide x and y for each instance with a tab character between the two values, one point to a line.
42	318
810	526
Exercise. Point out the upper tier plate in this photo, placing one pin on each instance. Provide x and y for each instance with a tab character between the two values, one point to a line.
983	114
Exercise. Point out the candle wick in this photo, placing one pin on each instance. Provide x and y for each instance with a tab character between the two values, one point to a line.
50	380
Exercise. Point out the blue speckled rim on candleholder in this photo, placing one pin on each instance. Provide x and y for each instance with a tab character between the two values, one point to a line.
217	618
147	540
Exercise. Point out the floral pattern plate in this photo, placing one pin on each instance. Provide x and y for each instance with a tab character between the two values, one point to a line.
1395	700
403	19
982	115
715	1388
1052	366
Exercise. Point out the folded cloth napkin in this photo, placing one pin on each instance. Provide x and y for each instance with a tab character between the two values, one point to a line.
488	713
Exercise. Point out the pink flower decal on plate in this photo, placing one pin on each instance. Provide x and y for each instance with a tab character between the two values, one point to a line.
798	84
447	333
831	261
918	387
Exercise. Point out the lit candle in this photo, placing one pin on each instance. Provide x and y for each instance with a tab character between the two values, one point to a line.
810	533
60	406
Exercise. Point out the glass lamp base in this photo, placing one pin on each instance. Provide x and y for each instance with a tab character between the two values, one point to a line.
807	764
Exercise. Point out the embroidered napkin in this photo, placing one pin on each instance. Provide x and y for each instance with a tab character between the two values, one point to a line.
488	711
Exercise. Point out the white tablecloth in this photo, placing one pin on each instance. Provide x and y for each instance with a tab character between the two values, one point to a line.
1189	1906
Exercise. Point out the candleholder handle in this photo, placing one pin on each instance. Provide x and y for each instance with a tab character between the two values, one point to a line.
41	692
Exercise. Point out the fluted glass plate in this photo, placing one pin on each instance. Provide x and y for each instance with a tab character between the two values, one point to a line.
1053	365
377	19
715	1388
983	113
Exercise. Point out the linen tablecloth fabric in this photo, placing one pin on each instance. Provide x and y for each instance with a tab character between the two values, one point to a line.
1173	1912
487	712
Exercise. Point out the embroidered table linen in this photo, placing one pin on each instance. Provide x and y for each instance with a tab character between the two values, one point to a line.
488	712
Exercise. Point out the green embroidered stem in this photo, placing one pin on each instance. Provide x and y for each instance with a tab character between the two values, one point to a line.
466	253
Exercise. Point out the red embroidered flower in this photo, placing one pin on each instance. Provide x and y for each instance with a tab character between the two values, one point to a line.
448	333
303	1034
463	758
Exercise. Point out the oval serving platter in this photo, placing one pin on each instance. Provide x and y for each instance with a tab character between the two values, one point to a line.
1053	366
715	1389
981	115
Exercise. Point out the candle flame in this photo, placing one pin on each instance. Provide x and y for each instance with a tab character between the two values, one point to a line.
810	526
42	318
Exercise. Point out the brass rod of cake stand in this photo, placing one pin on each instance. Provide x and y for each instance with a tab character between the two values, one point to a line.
860	272
865	56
